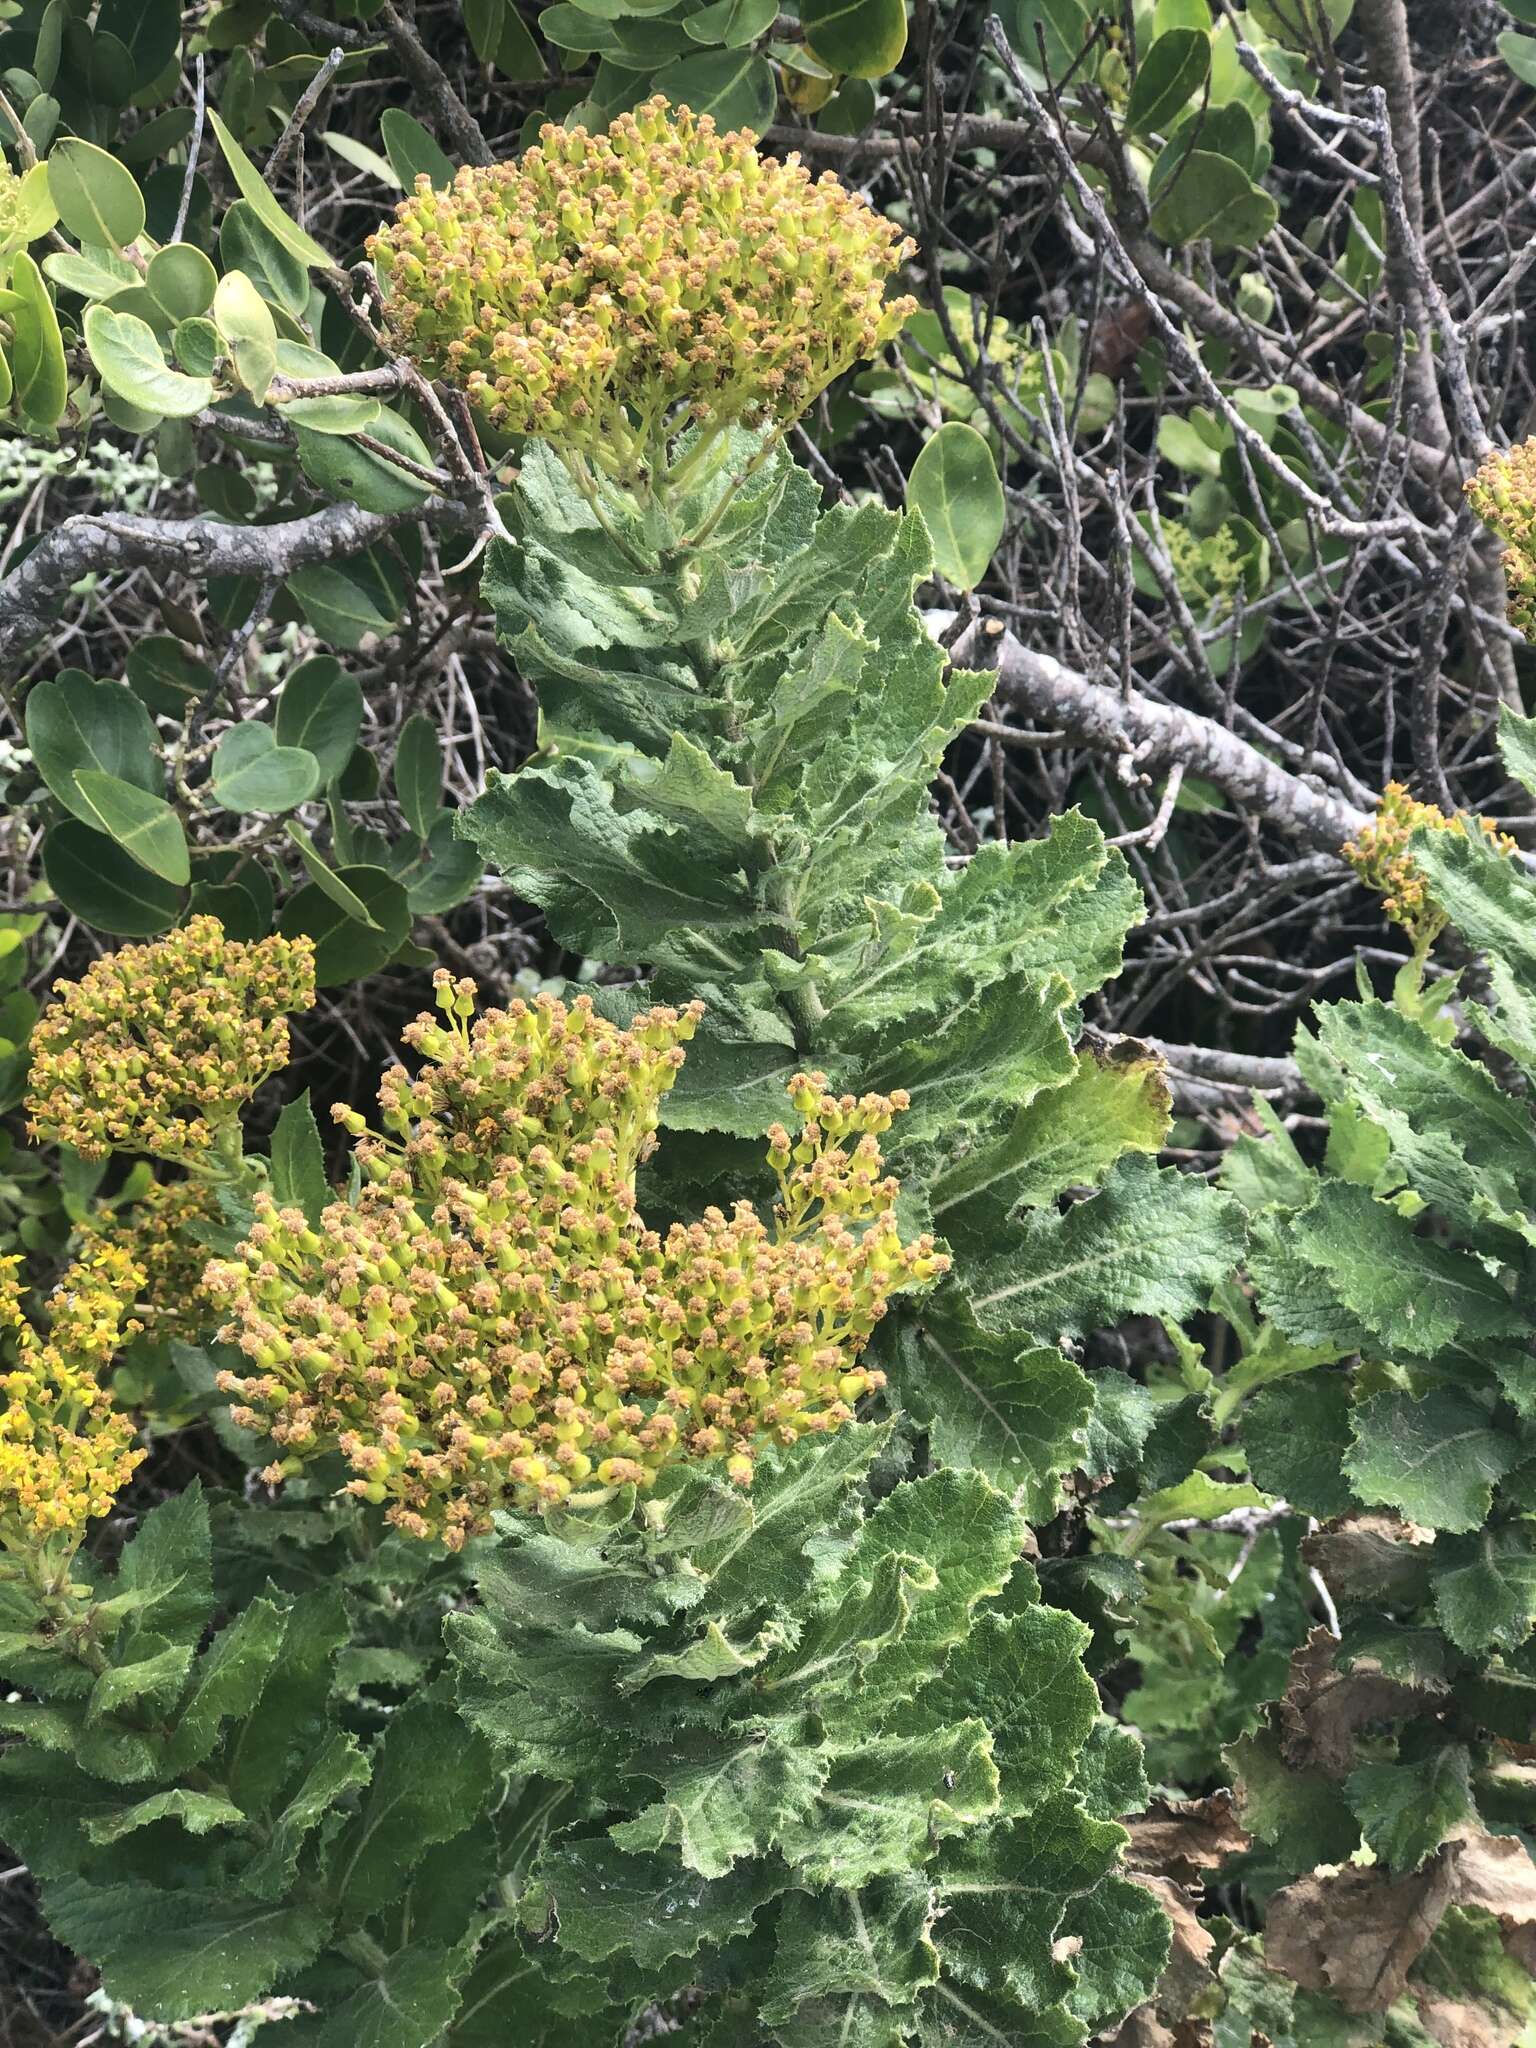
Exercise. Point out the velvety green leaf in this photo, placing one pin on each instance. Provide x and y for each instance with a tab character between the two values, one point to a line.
227	1681
1412	1294
991	1400
198	1812
413	1996
1153	1242
1485	1587
1435	1459
430	1780
182	1952
1298	1812
1296	1433
1406	1810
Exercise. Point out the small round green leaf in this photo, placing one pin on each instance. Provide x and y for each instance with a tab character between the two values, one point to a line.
244	320
182	279
98	201
129	360
252	772
861	38
321	710
954	486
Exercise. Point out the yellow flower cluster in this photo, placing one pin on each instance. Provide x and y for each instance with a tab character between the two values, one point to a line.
603	289
1379	856
1503	495
164	1234
156	1047
64	1450
491	1323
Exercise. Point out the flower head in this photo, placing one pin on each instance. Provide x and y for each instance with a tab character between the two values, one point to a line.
491	1323
1380	856
1503	495
164	1235
156	1047
65	1452
602	289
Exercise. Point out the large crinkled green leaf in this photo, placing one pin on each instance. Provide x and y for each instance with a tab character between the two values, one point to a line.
1152	1242
1412	1294
1489	898
992	1401
1457	1139
1406	1810
182	1952
1435	1459
845	1968
427	1785
1485	1586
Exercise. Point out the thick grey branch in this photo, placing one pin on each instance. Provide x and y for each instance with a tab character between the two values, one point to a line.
106	543
1151	736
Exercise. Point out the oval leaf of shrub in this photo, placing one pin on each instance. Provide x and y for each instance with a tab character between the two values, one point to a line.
1174	70
321	710
98	200
75	722
340	412
861	38
41	375
731	23
344	949
245	323
412	151
736	86
1211	199
102	887
954	486
253	189
182	279
419	773
337	466
129	361
251	772
144	826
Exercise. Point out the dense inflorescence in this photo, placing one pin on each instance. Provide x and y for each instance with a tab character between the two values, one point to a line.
164	1235
604	288
156	1048
1380	856
64	1450
1503	495
491	1322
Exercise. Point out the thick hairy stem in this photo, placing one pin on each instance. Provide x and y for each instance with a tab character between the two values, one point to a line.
107	543
1151	736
